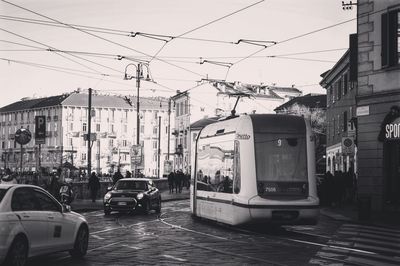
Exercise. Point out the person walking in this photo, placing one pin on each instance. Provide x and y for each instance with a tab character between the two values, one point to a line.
93	186
117	176
171	178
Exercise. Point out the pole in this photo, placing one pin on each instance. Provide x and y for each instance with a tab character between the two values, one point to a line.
89	148
138	70
72	156
159	146
40	158
169	126
22	157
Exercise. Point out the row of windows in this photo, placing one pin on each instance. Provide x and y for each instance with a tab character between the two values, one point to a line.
339	124
339	89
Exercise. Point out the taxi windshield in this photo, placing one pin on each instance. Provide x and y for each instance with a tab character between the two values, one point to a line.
132	185
2	193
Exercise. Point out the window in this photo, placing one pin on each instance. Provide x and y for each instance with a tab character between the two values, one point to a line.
125	128
155	146
124	143
390	38
339	88
98	127
217	176
345	121
83	156
345	84
155	130
23	199
84	127
141	129
45	202
71	126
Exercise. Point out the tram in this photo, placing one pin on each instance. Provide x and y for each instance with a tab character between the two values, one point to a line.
257	168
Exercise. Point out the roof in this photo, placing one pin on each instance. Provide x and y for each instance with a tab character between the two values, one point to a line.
34	103
81	99
285	89
238	88
341	63
309	100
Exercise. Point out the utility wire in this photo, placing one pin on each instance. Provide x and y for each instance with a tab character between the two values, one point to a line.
218	19
102	38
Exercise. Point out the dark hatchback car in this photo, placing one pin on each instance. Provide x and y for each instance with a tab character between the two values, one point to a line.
130	194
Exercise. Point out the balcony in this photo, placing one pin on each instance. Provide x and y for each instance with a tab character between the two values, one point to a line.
179	150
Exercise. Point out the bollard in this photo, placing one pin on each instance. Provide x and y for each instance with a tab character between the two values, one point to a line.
364	207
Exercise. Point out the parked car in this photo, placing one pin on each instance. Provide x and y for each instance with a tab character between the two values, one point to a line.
33	222
130	194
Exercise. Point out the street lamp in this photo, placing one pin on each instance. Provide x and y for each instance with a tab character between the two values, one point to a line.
139	75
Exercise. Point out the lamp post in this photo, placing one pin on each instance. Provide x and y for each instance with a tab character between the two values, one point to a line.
139	75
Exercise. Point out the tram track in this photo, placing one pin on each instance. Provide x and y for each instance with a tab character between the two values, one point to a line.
299	237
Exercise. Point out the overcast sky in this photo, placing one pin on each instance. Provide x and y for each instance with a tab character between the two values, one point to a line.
90	35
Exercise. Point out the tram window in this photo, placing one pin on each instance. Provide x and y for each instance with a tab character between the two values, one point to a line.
215	167
281	163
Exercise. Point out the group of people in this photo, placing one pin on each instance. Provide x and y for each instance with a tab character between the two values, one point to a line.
177	180
338	188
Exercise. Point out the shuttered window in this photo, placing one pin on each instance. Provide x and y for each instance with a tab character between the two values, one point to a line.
390	38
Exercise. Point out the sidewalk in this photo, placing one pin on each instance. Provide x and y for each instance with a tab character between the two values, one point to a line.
349	213
87	204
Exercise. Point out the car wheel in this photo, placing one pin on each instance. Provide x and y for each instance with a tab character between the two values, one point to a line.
81	243
158	209
18	253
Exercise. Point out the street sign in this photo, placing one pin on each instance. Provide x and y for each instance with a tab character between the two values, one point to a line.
168	167
40	129
348	145
136	155
23	136
93	137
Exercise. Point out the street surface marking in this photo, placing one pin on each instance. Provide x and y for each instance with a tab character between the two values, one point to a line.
174	258
98	237
330	246
106	246
132	247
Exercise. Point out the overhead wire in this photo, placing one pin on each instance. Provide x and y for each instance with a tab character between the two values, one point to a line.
101	38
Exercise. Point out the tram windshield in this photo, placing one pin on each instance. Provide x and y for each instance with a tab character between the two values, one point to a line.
281	157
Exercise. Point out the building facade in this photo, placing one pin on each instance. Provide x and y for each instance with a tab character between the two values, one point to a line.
378	91
340	116
113	122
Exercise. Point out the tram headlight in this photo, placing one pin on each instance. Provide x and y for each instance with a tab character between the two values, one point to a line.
140	196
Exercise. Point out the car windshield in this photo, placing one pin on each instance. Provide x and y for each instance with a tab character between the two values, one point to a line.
133	185
2	193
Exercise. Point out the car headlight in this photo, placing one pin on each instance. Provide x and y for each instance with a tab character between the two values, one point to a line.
107	196
139	196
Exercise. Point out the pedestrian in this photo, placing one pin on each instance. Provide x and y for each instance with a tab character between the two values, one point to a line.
93	186
54	186
171	178
128	174
117	176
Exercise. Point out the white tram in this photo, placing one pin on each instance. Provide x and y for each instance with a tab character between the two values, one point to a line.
254	169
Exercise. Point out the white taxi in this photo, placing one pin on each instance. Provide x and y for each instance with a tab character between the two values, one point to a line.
32	222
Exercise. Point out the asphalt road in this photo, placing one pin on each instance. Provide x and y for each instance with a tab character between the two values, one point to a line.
176	238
